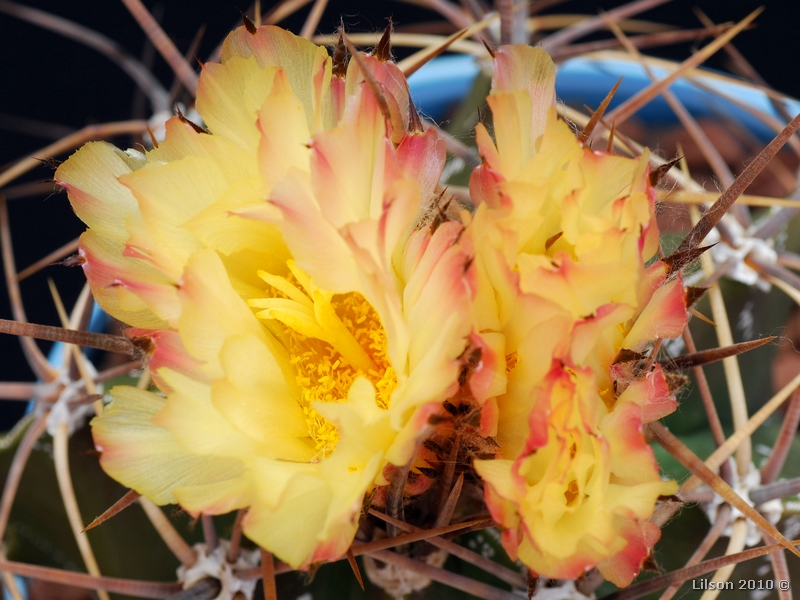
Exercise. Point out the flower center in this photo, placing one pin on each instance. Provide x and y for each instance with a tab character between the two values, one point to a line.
332	339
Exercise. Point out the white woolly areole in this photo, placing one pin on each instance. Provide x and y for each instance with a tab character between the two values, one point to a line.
216	565
565	591
743	246
771	511
398	582
61	411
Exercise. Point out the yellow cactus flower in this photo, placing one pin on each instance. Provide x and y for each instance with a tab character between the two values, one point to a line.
307	333
302	330
561	237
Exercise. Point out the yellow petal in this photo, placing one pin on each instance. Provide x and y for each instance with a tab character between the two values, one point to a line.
225	226
522	91
206	432
129	289
259	397
284	132
183	140
328	494
352	164
277	528
307	65
148	458
229	96
212	312
91	180
316	246
217	498
171	194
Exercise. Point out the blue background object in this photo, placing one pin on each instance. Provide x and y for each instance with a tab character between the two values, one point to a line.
21	586
586	80
442	83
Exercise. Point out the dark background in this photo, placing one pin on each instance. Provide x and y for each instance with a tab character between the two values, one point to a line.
46	78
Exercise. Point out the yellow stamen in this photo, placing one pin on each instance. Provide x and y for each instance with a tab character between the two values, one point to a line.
338	335
285	286
332	339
